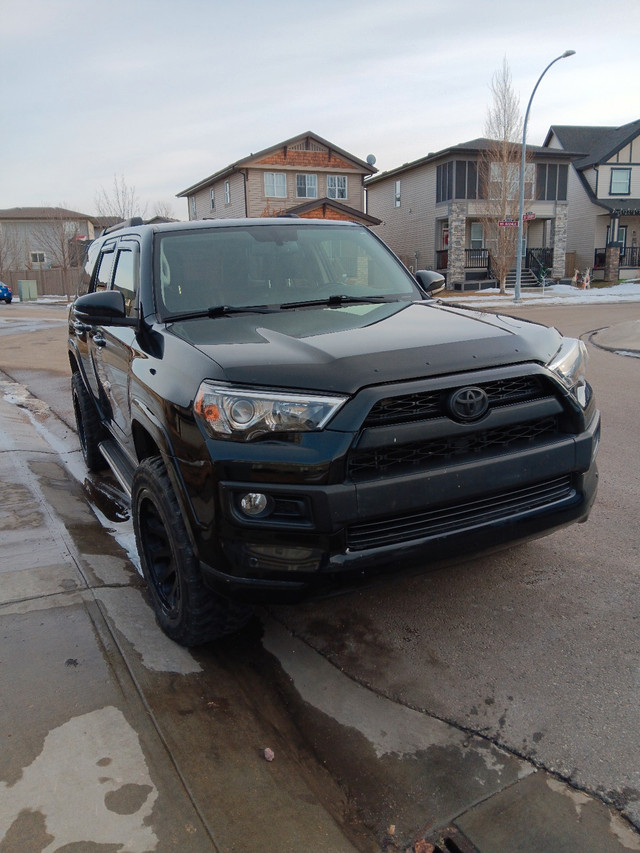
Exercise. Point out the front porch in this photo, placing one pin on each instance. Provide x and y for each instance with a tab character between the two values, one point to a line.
478	274
628	267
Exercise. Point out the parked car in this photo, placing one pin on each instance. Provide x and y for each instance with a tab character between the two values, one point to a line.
6	294
291	411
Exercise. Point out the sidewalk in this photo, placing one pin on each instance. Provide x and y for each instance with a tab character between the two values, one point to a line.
108	737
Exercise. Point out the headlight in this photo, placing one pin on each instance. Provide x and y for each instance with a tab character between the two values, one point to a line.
241	414
569	365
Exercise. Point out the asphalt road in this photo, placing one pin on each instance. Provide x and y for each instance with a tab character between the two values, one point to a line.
535	649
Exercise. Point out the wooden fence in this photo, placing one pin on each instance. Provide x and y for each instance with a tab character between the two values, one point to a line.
62	283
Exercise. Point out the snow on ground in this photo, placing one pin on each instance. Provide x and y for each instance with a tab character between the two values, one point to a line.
557	294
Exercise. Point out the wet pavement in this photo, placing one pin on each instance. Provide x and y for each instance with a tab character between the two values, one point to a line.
114	738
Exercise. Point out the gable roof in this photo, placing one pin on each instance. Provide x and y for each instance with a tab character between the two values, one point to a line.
470	149
361	165
31	213
598	144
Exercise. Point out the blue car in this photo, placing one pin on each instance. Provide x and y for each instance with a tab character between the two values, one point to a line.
6	294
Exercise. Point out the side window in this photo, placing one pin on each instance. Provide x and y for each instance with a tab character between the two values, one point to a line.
102	275
125	278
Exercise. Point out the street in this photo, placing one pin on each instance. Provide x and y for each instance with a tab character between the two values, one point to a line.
416	700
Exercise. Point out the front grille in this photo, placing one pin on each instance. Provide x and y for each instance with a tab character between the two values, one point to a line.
432	404
460	516
516	436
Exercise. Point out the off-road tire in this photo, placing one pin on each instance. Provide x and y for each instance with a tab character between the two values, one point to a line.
90	429
187	611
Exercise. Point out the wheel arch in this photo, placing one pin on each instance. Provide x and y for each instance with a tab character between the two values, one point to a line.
150	439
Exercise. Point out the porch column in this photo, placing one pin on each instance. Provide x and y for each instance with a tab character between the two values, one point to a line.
457	243
612	262
612	251
559	241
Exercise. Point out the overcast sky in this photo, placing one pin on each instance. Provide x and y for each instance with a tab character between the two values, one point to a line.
165	93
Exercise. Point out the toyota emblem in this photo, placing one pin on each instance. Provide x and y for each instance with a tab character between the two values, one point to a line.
468	404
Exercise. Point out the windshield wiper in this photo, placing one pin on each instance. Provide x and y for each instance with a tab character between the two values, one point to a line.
220	311
336	300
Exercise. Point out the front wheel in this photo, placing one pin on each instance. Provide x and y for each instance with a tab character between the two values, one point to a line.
90	429
186	610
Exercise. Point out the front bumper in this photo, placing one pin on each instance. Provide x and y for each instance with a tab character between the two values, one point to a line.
341	534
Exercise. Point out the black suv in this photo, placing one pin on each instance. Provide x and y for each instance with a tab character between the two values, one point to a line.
290	410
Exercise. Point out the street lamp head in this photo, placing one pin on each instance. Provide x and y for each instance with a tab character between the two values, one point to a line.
568	53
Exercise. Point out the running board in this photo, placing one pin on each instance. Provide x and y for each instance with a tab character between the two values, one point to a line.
119	464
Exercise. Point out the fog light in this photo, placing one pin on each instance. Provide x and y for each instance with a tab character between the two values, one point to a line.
254	504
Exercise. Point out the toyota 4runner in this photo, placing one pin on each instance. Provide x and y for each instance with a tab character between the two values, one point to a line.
290	411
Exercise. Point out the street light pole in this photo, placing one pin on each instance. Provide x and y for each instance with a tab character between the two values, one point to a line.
523	157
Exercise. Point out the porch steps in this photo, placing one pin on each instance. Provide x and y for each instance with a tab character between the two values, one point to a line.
527	279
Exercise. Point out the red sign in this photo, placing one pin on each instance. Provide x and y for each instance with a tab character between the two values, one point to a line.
527	216
508	222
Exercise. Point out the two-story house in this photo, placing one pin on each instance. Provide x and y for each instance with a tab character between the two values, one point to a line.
436	211
40	238
306	176
603	228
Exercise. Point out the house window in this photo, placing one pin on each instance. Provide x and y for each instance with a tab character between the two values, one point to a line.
306	186
466	179
192	201
620	182
551	182
477	235
396	194
444	181
212	198
227	192
275	184
37	257
337	186
509	174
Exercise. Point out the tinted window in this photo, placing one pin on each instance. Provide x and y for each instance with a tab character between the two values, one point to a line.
274	264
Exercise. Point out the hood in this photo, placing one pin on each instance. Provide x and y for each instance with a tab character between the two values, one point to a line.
341	350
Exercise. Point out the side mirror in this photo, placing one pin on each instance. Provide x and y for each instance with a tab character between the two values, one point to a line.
431	282
103	308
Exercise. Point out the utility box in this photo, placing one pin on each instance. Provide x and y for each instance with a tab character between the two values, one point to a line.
28	290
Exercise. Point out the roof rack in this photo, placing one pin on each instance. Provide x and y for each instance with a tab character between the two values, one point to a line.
127	223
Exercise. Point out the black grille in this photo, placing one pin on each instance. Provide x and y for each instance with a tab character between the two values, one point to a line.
371	462
432	404
460	516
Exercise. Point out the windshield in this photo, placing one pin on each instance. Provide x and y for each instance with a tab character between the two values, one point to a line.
272	265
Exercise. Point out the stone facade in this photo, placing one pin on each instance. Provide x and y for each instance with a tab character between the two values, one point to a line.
457	243
559	240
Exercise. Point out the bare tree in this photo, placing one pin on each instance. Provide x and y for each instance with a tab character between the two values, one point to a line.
13	251
499	169
63	243
121	201
163	210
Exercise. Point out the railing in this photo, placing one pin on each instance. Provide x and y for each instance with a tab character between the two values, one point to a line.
536	258
629	258
476	259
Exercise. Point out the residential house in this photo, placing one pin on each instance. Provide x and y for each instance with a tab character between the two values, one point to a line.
41	238
435	210
306	176
603	227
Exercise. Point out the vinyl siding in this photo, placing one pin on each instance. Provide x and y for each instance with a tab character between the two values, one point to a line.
235	209
409	229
